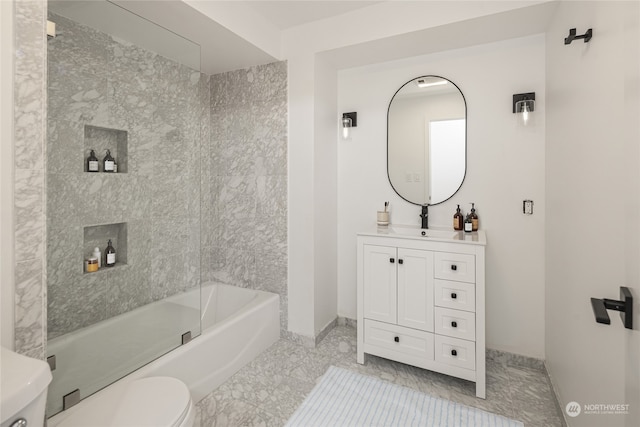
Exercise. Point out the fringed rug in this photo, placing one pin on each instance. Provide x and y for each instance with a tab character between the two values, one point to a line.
348	399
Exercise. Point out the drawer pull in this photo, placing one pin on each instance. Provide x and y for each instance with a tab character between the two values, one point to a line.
454	267
454	295
454	324
454	353
396	339
400	261
392	260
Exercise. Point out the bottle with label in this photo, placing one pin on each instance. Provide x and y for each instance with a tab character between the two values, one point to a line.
474	217
108	162
110	255
468	225
458	219
98	255
92	162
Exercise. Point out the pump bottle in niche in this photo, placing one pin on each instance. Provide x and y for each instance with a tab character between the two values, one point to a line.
108	162
458	220
110	255
92	162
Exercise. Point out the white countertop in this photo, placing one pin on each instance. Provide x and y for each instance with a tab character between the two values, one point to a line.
433	234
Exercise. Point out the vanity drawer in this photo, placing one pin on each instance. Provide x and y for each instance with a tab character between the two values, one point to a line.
456	295
399	339
455	323
455	352
458	267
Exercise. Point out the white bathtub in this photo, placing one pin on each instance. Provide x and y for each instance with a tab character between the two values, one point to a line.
237	325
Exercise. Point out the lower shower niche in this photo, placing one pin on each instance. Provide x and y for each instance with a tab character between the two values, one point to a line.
97	236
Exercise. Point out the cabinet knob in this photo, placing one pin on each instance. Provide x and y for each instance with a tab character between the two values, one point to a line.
400	261
392	260
396	339
454	267
454	324
454	353
454	295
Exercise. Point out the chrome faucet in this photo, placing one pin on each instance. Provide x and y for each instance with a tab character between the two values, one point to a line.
425	216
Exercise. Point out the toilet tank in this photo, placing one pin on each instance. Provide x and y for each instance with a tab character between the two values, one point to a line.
23	389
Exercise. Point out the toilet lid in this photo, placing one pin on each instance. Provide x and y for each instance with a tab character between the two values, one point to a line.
153	401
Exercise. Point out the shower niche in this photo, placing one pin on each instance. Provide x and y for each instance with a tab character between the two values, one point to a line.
97	236
101	139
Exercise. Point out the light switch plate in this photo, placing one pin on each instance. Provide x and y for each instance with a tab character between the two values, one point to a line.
527	207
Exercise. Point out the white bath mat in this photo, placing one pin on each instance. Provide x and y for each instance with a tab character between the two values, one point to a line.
348	399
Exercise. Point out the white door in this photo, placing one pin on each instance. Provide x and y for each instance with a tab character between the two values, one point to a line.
380	266
592	225
415	289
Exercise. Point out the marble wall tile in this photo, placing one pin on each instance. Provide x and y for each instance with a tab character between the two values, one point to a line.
29	311
29	128
249	165
97	80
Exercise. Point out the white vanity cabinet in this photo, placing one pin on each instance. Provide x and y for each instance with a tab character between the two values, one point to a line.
421	300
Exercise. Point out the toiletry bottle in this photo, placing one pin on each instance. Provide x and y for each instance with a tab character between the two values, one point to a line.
474	217
458	219
468	225
111	255
115	167
97	254
108	162
92	162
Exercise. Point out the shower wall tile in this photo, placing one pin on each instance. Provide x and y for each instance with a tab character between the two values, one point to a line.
29	312
248	151
29	130
97	80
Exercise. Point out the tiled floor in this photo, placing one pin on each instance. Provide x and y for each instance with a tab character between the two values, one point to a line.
268	390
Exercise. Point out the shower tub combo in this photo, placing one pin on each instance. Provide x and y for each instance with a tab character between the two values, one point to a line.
237	325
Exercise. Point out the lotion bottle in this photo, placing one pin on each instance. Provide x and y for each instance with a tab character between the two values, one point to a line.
97	254
458	219
474	217
110	255
108	162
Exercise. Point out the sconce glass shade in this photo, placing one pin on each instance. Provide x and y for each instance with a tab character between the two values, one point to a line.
346	127
524	108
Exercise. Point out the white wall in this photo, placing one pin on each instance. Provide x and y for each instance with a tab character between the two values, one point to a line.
6	179
593	206
505	165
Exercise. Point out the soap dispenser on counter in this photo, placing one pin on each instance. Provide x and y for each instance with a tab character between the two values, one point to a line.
458	220
474	218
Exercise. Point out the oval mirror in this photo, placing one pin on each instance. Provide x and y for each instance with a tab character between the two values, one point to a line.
427	140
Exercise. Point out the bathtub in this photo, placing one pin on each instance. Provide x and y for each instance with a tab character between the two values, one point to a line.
237	325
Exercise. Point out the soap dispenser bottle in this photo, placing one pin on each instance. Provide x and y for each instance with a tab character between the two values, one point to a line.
92	162
458	220
108	162
474	217
110	255
468	225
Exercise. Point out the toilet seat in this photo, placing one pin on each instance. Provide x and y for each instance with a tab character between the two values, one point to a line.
152	402
145	402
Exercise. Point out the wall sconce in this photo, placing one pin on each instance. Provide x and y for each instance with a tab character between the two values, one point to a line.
523	105
349	120
51	30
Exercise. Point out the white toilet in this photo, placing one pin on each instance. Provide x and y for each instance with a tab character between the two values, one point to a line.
144	402
23	390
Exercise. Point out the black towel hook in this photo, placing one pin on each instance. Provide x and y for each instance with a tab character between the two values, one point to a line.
572	36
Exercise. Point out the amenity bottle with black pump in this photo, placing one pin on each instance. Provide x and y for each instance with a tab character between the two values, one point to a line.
474	218
108	163
458	220
110	255
92	162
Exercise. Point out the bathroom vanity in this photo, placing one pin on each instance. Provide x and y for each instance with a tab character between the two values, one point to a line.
421	299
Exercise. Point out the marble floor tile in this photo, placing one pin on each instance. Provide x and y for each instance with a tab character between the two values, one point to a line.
268	390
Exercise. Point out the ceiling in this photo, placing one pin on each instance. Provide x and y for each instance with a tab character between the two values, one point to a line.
217	49
288	14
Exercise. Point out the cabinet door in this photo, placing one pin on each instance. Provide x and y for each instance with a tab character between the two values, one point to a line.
415	289
380	266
